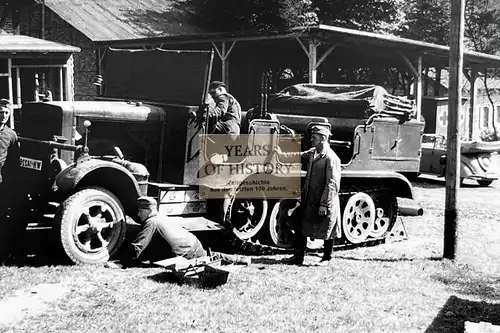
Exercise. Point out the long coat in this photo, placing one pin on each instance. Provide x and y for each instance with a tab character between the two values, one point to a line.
321	188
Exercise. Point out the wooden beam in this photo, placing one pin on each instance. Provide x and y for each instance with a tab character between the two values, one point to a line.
11	93
313	48
224	55
18	86
452	174
68	80
325	55
303	46
472	102
61	84
409	64
418	87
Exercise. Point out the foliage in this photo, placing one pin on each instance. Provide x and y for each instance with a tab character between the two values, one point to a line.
427	20
489	134
230	15
482	25
384	16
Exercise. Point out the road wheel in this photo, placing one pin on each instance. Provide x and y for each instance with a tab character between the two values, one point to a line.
484	183
386	212
92	225
280	233
248	215
358	217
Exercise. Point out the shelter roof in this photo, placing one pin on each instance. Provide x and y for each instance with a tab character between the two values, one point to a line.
126	19
25	44
349	43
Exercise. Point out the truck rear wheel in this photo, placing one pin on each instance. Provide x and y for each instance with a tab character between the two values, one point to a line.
92	225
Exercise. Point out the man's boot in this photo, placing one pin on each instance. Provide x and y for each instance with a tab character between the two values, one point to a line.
299	251
327	253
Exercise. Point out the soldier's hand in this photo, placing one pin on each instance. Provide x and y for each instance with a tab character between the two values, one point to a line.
323	211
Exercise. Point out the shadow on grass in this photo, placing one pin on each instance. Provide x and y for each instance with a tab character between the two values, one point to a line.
388	259
471	283
456	311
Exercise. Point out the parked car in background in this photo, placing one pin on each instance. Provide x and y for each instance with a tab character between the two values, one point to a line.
479	160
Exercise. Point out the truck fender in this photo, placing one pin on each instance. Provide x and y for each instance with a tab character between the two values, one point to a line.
108	175
395	181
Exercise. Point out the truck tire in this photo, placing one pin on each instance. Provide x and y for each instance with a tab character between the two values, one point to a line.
92	225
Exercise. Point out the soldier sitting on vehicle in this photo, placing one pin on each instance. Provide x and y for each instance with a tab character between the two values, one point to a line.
182	243
226	114
226	119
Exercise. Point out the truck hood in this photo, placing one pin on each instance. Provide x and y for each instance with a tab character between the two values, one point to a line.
166	76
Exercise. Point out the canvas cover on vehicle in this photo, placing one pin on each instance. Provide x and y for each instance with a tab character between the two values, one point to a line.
170	76
364	96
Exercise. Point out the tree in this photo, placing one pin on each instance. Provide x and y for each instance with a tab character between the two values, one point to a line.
428	21
482	33
383	16
232	15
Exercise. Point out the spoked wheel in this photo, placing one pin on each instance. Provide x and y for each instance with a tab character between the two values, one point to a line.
248	215
358	217
279	228
385	212
92	225
280	232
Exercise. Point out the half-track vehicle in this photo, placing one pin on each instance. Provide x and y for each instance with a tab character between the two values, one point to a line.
377	138
84	163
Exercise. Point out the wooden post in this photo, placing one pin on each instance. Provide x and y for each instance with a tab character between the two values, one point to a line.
61	84
18	86
418	86
453	150
11	93
473	99
312	61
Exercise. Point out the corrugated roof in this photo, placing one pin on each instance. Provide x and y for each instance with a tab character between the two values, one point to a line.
26	44
102	20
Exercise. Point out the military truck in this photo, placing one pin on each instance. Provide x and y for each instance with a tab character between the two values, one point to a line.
376	136
84	163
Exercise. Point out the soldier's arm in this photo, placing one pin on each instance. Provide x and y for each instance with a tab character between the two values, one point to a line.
221	106
332	182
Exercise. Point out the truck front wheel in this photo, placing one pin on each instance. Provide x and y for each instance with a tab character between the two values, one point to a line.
92	225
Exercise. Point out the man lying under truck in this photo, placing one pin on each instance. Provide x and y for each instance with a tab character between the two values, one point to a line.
181	242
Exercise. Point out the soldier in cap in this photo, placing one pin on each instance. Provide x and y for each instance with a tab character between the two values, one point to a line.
9	164
182	243
318	213
227	110
227	116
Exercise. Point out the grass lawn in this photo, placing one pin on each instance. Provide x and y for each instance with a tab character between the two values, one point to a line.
397	287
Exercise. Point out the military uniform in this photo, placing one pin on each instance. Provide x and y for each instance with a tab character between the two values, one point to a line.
182	243
228	112
320	189
10	230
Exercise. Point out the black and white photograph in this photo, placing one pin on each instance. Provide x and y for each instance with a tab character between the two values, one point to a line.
235	166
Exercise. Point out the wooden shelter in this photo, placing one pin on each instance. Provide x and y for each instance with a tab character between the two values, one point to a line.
318	48
19	53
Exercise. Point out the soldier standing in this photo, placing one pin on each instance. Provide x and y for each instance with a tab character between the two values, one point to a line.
9	163
319	209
